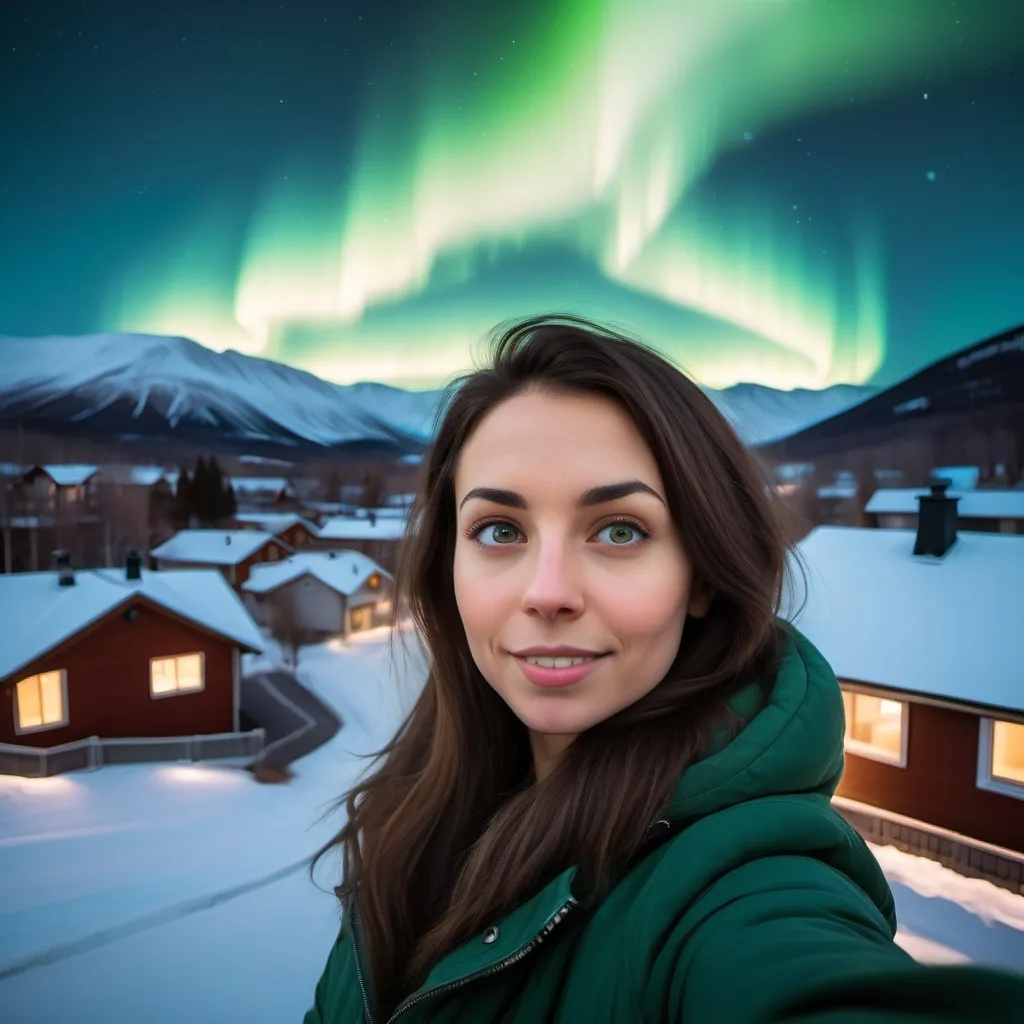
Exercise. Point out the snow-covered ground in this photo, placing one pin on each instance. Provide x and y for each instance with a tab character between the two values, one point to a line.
179	892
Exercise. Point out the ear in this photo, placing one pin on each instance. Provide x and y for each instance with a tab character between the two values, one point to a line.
700	599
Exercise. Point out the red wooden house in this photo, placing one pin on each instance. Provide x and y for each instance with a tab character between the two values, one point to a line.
233	552
922	628
119	653
289	527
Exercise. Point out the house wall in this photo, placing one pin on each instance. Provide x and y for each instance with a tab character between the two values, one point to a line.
938	785
297	536
318	608
108	682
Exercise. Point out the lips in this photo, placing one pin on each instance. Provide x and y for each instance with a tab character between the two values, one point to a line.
561	669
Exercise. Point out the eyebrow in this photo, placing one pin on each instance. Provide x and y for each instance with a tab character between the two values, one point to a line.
595	496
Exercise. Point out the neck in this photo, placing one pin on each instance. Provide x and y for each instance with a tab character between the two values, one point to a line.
547	749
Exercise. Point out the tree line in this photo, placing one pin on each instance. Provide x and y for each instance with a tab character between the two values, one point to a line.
203	497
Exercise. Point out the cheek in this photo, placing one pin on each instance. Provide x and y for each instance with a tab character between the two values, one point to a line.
650	607
481	604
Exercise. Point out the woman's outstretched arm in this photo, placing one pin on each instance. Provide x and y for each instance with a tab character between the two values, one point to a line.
791	939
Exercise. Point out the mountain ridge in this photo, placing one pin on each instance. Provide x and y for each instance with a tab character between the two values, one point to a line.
164	387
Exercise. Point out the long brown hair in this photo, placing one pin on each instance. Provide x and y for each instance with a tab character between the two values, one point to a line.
449	831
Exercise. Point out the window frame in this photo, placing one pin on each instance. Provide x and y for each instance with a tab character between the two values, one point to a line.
46	726
985	779
178	692
861	749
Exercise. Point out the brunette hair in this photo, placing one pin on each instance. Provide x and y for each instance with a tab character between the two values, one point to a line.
449	831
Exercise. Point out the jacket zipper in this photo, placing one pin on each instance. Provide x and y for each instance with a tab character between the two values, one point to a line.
359	971
514	958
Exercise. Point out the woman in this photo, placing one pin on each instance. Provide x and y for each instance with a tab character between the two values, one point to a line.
612	800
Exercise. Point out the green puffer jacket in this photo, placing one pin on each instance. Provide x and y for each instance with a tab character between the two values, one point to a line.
759	903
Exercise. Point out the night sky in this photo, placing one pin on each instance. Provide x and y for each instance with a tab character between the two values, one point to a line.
793	192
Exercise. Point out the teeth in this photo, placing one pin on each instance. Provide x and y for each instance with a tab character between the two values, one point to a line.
557	662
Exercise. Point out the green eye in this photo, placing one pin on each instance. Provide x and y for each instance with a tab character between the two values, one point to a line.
498	535
621	534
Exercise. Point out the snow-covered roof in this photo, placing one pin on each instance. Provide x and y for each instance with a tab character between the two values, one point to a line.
275	522
362	528
343	571
943	627
212	547
972	505
70	475
11	469
37	614
259	484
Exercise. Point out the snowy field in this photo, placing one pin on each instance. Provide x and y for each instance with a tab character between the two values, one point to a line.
171	893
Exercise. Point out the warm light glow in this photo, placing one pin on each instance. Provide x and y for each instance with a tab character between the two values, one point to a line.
40	700
874	726
54	785
199	775
181	673
1008	751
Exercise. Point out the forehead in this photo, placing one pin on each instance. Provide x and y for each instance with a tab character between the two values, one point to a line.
570	440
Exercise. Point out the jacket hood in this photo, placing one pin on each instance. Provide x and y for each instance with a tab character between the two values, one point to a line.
792	741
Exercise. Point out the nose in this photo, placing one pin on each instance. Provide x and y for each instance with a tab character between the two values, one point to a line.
554	586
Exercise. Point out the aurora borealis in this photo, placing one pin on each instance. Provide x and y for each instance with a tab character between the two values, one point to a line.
792	192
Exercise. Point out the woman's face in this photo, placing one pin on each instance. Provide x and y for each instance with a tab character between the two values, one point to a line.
570	578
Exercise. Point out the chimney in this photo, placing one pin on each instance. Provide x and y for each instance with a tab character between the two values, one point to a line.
133	566
62	565
227	539
936	521
373	517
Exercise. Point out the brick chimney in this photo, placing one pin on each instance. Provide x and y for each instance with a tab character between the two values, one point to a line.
133	566
936	521
62	565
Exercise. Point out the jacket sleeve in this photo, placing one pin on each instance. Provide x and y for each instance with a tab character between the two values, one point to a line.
791	939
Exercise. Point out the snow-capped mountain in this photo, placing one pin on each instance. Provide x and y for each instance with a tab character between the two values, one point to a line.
761	414
118	386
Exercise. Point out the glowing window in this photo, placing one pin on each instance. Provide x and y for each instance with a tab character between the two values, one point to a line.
875	727
184	673
41	701
1008	752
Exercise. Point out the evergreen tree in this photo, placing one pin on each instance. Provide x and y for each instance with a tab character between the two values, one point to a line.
181	507
216	485
199	493
230	500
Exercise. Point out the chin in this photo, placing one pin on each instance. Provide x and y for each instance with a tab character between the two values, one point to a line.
556	717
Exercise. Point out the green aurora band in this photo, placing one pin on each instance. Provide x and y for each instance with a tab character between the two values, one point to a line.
590	130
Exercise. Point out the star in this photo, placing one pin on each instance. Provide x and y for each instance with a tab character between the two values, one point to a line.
930	175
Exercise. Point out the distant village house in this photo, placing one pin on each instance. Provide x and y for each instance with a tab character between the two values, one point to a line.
292	529
233	552
313	595
374	534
